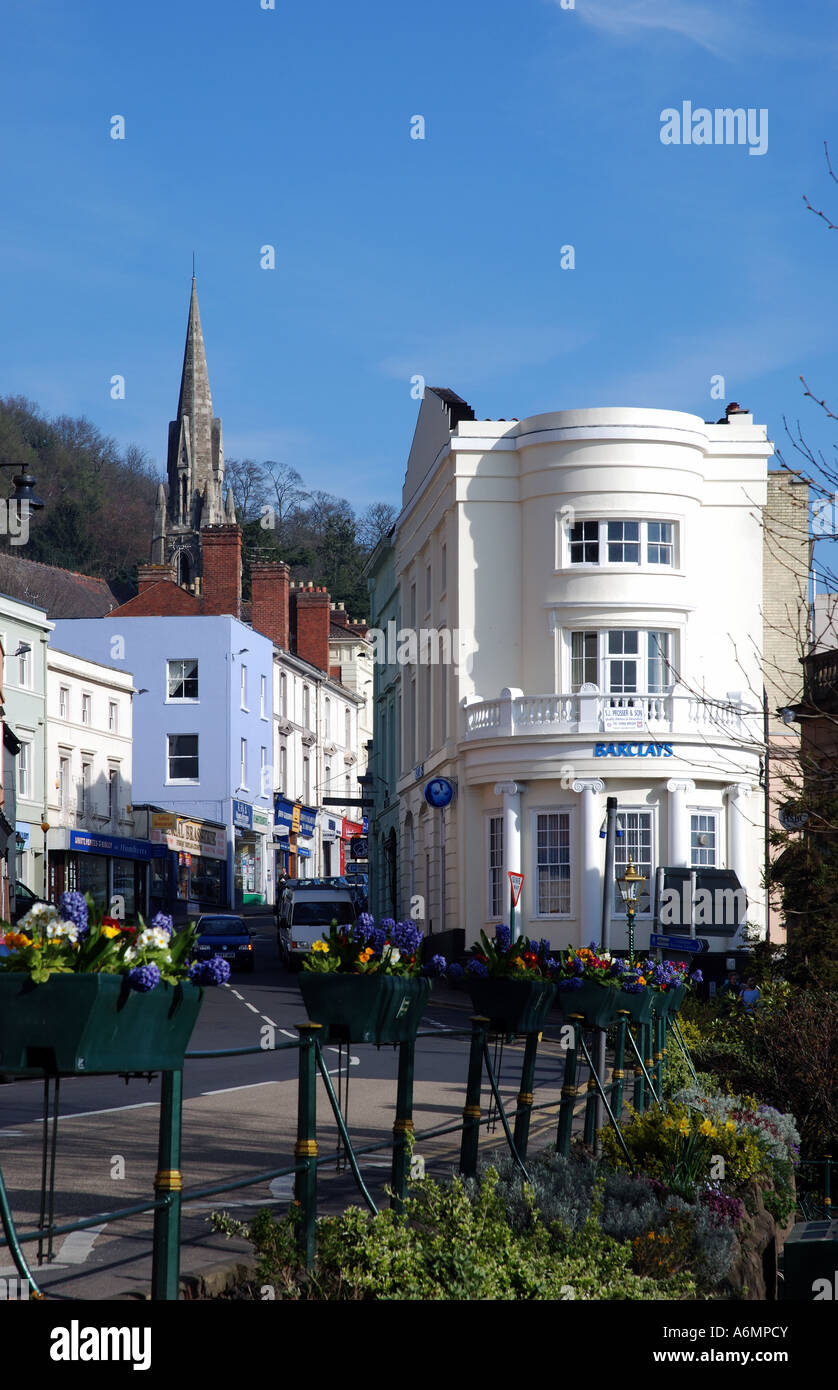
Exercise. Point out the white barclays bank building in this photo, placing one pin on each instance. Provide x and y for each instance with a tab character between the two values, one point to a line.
607	566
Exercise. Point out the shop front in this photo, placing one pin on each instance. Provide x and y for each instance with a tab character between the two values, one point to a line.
294	830
116	870
330	837
249	858
193	876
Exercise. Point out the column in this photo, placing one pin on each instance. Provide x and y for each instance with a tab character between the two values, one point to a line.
511	793
589	790
738	830
678	856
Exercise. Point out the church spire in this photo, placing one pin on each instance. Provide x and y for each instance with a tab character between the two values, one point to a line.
195	464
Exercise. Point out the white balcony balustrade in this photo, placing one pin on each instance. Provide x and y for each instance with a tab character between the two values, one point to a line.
589	711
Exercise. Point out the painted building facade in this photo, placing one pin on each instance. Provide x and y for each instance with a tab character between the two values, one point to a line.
24	634
586	593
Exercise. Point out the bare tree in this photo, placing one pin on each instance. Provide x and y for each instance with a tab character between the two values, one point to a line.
247	479
375	522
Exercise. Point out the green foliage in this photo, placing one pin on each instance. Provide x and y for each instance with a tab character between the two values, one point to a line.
676	1145
453	1242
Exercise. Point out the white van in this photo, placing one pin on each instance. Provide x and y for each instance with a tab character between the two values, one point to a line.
306	914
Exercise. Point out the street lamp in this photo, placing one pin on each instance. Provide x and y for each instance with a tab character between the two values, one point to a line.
630	884
24	489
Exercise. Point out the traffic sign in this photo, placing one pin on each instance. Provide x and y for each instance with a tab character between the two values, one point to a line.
439	792
516	883
693	945
358	847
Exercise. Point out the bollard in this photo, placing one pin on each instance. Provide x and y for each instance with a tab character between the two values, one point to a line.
471	1110
565	1129
305	1149
403	1126
618	1074
165	1258
525	1096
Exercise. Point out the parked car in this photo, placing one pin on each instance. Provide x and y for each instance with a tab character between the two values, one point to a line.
24	900
306	913
222	934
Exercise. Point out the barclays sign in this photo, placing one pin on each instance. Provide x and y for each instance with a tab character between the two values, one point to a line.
633	750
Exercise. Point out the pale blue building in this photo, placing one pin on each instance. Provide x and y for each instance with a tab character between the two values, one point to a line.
202	757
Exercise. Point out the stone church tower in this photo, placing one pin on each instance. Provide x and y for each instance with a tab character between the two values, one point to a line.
195	468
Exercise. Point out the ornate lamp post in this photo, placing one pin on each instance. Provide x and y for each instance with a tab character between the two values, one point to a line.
630	884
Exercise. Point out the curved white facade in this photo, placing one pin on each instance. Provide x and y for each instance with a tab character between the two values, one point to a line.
603	569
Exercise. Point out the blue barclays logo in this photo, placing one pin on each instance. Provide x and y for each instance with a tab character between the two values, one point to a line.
633	750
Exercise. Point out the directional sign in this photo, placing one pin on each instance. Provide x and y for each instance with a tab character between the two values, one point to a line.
516	883
693	945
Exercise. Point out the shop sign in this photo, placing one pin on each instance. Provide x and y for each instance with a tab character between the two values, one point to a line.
23	828
301	820
118	845
189	836
633	750
623	717
351	828
261	818
242	815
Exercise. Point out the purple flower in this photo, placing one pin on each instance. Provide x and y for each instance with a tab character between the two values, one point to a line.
144	978
502	937
455	971
364	928
434	966
73	908
572	983
697	977
476	967
405	936
163	922
210	972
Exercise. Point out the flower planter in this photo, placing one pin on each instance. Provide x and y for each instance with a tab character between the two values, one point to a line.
667	1002
80	1024
638	1005
598	1004
676	998
512	1006
365	1008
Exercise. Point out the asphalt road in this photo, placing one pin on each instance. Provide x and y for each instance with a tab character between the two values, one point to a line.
239	1117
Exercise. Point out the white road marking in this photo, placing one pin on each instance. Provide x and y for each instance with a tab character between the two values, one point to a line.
432	1023
223	1090
84	1114
287	1034
252	1007
235	991
78	1245
283	1187
269	1020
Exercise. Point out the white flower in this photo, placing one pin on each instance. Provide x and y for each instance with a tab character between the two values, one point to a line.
56	931
152	936
394	956
38	916
129	953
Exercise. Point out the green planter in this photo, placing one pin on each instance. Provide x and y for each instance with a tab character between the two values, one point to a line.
80	1024
512	1006
598	1004
365	1008
667	1003
638	1005
676	998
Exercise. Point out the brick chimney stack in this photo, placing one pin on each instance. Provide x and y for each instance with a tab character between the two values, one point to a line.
313	614
221	587
153	574
270	583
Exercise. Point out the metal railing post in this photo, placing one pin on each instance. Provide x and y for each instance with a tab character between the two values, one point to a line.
165	1260
471	1110
589	1132
305	1149
403	1126
639	1080
827	1183
565	1129
525	1097
618	1073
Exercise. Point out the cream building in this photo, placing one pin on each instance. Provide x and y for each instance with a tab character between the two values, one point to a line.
598	578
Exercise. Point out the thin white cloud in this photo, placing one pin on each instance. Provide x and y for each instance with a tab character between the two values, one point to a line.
718	28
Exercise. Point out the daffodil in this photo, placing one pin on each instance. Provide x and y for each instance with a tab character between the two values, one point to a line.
707	1127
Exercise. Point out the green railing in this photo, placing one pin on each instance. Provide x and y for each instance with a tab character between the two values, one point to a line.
170	1196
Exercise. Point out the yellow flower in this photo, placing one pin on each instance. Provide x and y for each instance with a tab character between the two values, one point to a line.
668	1122
366	955
707	1127
651	1235
111	932
319	946
518	963
684	1126
731	1125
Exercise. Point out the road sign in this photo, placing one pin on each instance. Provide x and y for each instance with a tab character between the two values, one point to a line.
358	847
516	883
693	945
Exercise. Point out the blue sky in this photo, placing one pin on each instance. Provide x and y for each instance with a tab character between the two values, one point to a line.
397	256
